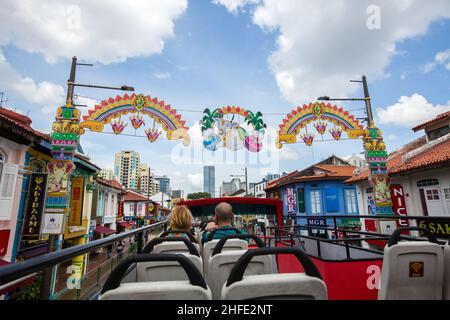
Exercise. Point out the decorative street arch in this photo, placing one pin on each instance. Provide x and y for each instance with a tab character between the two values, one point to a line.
111	112
219	132
320	115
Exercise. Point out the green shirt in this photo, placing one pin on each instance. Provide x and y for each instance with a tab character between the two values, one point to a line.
219	234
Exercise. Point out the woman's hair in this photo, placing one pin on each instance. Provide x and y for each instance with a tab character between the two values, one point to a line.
180	218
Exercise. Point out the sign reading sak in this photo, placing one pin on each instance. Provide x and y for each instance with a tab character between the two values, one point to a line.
290	200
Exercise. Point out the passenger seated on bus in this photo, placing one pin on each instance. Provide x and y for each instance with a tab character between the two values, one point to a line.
223	219
181	219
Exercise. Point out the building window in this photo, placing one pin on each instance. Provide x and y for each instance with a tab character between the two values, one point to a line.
316	205
350	201
437	133
427	182
432	194
447	193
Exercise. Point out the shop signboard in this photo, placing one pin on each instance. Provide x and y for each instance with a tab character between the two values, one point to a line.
290	200
399	204
317	222
34	209
53	223
76	202
440	227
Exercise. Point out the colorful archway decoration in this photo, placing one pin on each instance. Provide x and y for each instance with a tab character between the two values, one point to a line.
111	112
219	132
320	114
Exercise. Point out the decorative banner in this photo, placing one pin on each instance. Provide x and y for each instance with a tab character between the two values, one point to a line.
76	202
290	200
58	177
331	199
318	114
53	223
219	132
111	112
34	208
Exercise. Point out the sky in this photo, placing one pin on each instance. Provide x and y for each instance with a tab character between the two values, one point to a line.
263	55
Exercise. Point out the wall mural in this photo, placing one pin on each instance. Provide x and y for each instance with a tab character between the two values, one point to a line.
220	131
113	112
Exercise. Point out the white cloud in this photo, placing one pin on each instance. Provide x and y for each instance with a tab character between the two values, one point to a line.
45	94
441	58
410	111
322	44
162	75
195	180
104	30
403	76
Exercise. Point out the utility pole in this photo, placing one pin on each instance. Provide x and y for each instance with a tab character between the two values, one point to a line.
368	102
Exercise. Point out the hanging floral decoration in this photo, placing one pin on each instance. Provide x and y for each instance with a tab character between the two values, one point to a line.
336	133
118	126
321	127
307	138
137	121
152	134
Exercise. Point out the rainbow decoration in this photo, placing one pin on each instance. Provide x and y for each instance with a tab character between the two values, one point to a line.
161	112
316	112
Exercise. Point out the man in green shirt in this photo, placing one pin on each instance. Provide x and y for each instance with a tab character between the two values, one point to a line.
223	216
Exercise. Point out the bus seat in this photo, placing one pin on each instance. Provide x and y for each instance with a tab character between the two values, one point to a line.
194	288
166	270
208	248
447	271
171	245
297	286
412	270
221	263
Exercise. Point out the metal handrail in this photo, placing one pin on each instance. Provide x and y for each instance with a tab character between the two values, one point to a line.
15	271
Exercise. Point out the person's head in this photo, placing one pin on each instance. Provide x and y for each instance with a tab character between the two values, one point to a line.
180	218
223	214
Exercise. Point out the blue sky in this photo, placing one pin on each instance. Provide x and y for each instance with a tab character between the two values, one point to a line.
216	56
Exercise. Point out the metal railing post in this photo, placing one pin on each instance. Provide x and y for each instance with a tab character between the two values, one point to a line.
140	242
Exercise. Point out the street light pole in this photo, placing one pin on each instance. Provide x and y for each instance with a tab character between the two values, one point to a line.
368	102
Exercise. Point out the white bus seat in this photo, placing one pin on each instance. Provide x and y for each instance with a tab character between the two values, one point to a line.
447	271
298	286
221	263
166	270
208	248
193	289
412	270
171	245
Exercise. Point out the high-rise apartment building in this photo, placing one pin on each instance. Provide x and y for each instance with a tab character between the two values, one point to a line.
127	168
177	194
106	174
230	187
164	184
209	180
147	183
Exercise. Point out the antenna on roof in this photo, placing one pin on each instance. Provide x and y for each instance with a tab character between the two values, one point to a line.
1	99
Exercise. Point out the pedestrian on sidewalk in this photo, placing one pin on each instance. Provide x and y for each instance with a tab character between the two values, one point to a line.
109	251
120	246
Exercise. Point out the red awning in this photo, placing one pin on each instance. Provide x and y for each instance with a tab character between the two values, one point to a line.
125	225
104	230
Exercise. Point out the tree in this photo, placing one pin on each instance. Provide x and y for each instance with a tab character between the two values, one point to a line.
198	195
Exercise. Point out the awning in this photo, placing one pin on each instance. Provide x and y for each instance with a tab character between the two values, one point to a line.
104	230
125	225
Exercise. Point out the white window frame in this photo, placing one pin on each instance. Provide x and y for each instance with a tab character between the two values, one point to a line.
316	201
7	200
351	201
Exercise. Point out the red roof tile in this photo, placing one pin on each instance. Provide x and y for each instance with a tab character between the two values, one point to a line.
111	183
439	117
415	155
134	196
